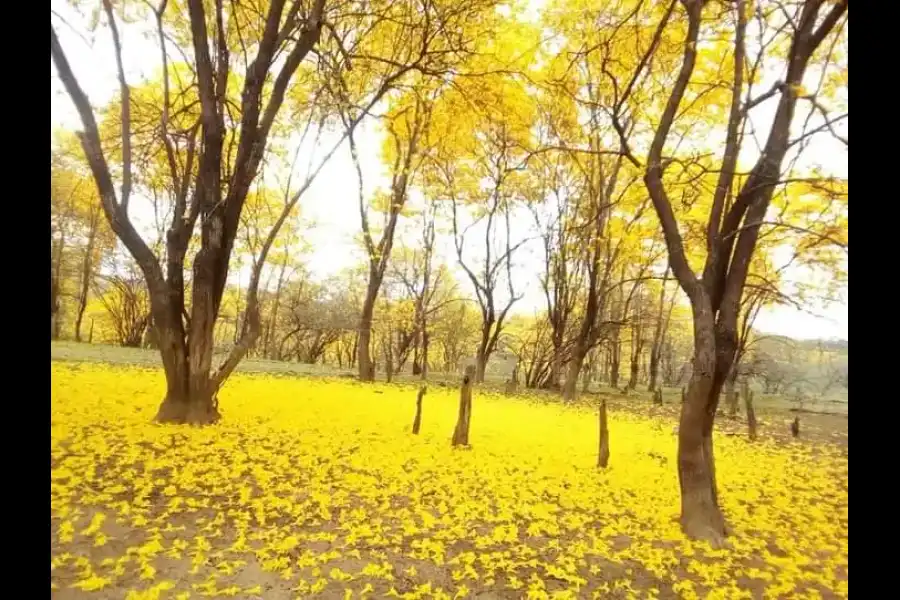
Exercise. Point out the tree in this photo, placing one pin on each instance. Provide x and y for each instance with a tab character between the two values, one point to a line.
732	228
219	188
406	125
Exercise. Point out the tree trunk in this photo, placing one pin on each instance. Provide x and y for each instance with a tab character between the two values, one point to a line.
267	350
701	516
417	422
615	359
388	360
731	399
662	323
55	289
425	340
588	375
570	389
557	364
189	397
364	358
603	454
87	269
461	433
190	391
634	368
482	355
751	413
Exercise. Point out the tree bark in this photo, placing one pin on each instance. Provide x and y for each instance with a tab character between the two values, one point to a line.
637	345
659	333
570	387
615	358
483	354
731	399
87	271
701	516
461	433
273	318
363	347
417	422
55	289
603	453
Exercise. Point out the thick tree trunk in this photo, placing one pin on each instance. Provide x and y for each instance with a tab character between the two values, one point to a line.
190	392
189	397
364	358
701	516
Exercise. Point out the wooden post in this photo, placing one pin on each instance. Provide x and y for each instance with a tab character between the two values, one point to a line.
417	422
658	397
603	455
795	427
461	433
751	415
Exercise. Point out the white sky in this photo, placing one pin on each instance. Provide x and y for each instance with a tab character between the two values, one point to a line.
331	202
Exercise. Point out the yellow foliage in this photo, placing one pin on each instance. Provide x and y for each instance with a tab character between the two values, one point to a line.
328	489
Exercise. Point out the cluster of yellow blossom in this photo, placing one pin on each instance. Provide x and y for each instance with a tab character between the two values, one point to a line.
317	487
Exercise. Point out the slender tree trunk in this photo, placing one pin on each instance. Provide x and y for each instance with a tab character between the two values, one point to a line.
461	433
87	272
556	368
417	422
615	359
425	340
276	305
482	355
570	387
603	453
731	399
637	348
55	289
658	334
364	358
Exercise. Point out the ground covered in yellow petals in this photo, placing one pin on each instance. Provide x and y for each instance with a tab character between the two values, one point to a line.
317	488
